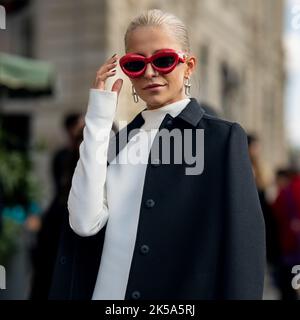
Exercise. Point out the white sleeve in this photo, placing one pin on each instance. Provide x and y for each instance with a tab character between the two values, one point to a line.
87	203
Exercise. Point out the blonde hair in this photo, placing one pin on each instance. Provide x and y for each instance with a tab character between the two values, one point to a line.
158	18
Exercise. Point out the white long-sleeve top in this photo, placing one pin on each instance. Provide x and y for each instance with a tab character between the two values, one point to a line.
112	195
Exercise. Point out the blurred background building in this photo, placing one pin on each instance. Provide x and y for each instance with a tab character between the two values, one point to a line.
238	44
240	70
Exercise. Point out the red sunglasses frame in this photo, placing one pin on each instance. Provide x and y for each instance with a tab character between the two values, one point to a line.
179	56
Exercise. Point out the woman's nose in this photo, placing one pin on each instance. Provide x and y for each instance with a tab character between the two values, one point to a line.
150	71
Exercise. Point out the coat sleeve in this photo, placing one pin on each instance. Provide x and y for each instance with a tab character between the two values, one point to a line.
244	253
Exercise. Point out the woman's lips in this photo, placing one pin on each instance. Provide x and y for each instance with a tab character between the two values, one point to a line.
153	87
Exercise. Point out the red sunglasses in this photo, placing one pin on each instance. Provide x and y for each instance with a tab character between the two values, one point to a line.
164	61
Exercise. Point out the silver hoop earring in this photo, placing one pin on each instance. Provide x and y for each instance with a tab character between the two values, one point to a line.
187	86
135	96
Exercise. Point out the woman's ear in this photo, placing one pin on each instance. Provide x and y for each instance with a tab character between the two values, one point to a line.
191	65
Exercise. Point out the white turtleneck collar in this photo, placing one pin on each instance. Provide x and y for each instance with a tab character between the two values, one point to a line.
153	118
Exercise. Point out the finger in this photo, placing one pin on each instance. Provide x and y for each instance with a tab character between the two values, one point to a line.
100	79
114	57
117	86
106	68
105	75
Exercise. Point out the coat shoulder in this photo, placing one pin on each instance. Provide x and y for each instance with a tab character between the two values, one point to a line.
216	121
220	125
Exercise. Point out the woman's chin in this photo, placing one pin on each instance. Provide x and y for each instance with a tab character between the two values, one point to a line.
153	100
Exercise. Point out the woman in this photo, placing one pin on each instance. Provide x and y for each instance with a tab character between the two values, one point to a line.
155	229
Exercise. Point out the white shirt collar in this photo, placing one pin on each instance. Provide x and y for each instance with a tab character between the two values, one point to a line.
153	118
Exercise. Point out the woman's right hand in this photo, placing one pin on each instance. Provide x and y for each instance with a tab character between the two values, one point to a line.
105	71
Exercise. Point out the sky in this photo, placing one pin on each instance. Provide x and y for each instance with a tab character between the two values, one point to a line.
292	64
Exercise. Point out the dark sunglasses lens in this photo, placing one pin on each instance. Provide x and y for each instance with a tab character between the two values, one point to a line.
134	66
164	62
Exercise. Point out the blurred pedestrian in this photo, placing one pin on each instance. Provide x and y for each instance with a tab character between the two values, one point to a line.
263	181
286	209
63	166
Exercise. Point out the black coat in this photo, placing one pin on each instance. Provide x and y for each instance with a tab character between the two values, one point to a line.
199	236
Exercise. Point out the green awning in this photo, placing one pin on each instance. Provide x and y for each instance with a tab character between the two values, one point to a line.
23	73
